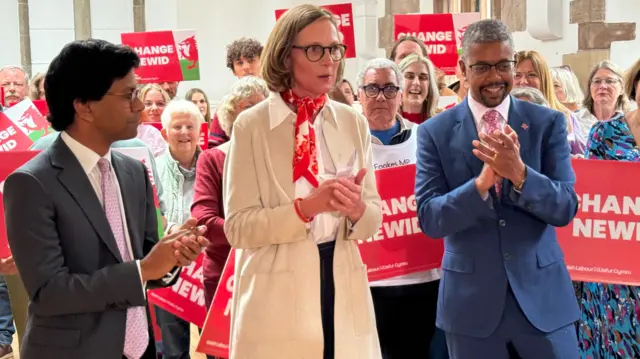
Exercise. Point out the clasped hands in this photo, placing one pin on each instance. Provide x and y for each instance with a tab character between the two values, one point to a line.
179	247
500	152
343	195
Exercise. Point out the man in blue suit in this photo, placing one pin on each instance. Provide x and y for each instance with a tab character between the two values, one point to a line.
494	178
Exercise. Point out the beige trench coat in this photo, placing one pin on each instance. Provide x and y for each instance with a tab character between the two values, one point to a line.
276	297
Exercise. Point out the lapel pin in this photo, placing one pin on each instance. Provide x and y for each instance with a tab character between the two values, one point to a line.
525	126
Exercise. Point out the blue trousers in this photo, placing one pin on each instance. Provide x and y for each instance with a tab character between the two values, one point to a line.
7	329
176	335
517	332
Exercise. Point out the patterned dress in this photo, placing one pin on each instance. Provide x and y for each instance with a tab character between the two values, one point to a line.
609	325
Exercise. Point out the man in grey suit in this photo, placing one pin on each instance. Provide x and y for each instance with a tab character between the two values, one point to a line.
81	220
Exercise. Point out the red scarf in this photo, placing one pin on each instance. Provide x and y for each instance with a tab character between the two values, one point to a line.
305	160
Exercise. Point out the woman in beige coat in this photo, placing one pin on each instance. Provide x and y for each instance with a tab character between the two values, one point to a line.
299	191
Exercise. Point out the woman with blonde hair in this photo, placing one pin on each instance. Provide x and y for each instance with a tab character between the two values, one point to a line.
567	87
36	87
299	190
532	71
155	100
420	93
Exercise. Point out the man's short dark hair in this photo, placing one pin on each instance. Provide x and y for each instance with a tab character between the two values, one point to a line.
84	70
243	47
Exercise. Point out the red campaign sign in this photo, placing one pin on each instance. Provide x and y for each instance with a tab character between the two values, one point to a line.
399	247
603	241
441	33
12	138
9	162
184	299
344	17
165	56
214	339
204	133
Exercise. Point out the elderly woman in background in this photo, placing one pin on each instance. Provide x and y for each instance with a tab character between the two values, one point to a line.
200	99
207	204
605	98
36	87
610	323
530	94
567	87
420	93
532	71
294	208
155	99
181	121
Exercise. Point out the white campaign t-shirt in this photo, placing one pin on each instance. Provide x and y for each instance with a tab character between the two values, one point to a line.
391	156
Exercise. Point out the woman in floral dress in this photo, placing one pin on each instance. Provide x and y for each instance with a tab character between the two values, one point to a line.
609	327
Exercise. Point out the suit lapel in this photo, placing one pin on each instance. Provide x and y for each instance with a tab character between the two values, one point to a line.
77	183
465	131
339	145
128	192
281	146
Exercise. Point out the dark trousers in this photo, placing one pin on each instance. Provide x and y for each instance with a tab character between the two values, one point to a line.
406	319
327	297
176	335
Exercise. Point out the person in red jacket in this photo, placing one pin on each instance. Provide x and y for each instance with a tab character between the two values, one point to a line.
207	198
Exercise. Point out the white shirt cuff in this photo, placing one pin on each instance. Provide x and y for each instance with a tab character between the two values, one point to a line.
144	284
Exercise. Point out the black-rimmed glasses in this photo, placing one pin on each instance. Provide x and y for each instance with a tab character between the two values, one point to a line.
503	67
389	91
315	53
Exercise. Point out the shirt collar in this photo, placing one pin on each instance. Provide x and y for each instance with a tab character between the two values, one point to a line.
88	158
478	110
279	111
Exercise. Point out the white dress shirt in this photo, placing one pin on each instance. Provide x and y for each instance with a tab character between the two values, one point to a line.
478	110
324	227
89	162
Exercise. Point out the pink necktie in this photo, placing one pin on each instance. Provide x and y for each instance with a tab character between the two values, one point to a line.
136	337
491	120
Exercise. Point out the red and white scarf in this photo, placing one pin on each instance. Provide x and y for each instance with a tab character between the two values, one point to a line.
305	160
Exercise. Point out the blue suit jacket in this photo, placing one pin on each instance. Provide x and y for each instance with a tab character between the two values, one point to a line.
489	244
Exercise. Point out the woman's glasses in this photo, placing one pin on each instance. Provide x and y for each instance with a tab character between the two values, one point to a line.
315	53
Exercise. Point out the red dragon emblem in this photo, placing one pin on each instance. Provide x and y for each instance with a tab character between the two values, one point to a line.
188	49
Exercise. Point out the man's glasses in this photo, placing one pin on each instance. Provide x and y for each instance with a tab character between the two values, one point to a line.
131	96
503	67
315	53
389	91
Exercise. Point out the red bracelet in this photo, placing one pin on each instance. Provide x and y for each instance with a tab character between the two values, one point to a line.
296	205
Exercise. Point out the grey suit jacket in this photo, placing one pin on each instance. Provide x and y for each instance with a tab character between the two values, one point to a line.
65	251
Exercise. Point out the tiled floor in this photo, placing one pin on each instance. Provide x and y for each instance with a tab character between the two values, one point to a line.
194	343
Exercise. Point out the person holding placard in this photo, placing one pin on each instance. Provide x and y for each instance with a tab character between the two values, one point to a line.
494	178
405	305
299	190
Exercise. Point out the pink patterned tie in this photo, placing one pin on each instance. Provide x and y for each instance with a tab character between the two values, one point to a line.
136	337
491	120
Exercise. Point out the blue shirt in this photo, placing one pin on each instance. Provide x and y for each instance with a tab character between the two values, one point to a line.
385	136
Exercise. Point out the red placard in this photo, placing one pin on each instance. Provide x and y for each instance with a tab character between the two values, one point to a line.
42	107
12	138
441	33
9	162
344	17
399	247
165	56
603	241
214	339
184	299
